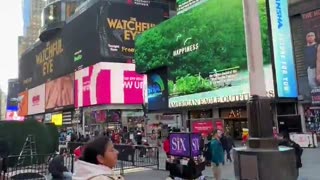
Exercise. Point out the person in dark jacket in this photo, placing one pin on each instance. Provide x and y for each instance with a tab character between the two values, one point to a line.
229	145
4	153
207	151
223	141
286	141
57	168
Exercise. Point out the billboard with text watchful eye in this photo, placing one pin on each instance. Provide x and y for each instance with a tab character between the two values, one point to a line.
109	83
104	32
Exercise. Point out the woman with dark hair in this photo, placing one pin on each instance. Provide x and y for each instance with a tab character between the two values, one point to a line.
98	159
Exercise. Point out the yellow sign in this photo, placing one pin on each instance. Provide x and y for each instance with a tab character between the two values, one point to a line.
131	27
57	119
46	57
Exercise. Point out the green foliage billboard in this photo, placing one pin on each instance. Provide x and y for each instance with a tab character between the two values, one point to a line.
205	51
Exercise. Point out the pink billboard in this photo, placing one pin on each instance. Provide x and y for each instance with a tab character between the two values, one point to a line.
109	83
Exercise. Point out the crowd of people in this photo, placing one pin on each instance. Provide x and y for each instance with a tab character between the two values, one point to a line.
98	157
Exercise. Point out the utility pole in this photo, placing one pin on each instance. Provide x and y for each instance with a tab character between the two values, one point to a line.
262	159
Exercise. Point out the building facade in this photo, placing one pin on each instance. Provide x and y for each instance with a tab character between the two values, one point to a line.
31	10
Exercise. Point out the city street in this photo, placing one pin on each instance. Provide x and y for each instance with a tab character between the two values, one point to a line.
309	171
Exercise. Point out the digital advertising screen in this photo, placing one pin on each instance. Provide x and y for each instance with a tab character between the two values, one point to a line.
205	51
282	49
309	80
56	119
158	89
23	103
59	93
109	83
36	100
13	93
121	24
105	32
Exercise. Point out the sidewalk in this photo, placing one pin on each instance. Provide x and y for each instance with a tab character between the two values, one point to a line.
309	171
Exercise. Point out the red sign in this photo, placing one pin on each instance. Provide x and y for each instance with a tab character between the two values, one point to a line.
203	127
219	125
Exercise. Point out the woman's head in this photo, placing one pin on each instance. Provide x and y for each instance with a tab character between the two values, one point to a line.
100	151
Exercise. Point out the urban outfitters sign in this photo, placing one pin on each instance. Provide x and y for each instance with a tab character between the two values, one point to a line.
185	144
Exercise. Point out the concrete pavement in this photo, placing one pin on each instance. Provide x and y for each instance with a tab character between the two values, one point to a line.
309	171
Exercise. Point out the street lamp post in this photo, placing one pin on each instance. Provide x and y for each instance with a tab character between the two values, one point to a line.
262	159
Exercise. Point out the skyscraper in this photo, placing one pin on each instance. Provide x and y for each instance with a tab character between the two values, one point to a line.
31	10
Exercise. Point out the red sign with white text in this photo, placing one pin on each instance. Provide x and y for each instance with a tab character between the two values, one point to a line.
203	127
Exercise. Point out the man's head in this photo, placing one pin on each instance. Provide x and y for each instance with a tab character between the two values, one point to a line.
217	134
311	37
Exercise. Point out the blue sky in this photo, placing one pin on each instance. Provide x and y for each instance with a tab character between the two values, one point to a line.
11	28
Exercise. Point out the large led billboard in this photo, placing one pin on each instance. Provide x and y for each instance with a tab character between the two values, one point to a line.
105	32
309	77
109	83
205	51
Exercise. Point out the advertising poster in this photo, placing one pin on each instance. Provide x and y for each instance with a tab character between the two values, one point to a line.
283	49
13	93
109	83
122	24
184	144
36	100
105	32
158	89
13	100
59	93
203	127
206	59
195	145
23	103
309	85
180	144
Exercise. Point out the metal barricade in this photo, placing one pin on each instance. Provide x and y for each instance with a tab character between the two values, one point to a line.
29	169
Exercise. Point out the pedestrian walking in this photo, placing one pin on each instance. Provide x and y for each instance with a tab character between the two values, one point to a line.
229	145
217	154
223	141
207	151
98	159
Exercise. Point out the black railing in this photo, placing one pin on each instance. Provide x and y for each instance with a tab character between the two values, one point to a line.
29	167
131	156
36	167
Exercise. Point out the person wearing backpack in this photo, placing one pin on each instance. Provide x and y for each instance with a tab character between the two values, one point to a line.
286	141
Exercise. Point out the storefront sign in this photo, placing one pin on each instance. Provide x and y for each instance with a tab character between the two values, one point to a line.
184	144
183	101
203	127
239	112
